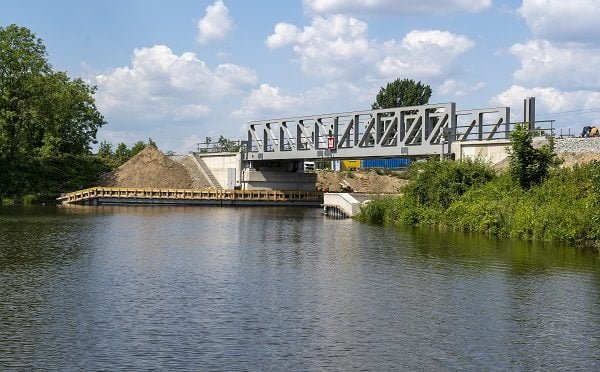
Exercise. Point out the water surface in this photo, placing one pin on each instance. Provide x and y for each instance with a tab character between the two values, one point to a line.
207	288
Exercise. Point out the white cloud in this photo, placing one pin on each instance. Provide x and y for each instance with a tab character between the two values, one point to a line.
329	47
395	6
563	20
548	99
269	102
284	34
422	54
265	102
162	85
567	66
338	46
216	24
453	88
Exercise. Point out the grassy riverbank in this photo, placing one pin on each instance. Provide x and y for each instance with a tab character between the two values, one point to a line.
468	196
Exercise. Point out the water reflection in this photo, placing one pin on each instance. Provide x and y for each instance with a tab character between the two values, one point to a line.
283	288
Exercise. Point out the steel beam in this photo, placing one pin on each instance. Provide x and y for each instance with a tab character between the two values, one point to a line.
399	131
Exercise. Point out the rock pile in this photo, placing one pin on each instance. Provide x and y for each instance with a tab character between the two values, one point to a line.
577	145
577	150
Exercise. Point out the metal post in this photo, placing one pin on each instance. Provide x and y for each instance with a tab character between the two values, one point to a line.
529	113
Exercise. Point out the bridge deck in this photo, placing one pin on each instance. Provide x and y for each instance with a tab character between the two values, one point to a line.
98	195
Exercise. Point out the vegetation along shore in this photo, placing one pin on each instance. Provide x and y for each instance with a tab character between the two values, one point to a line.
533	199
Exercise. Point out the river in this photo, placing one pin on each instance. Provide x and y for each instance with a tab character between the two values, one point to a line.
208	288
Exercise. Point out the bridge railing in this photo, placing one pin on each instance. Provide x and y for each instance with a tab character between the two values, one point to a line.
492	131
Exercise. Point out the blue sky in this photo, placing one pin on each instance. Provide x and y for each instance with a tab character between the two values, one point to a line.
178	71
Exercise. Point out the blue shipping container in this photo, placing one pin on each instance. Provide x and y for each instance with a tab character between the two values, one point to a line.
394	163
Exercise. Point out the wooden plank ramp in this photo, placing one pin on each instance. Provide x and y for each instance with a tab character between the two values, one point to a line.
121	195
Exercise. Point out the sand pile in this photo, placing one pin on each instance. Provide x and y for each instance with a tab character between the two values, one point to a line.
149	169
363	181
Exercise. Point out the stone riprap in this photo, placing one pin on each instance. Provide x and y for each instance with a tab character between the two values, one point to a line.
577	145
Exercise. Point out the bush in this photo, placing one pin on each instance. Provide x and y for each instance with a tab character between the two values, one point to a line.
487	209
433	186
466	196
438	183
528	165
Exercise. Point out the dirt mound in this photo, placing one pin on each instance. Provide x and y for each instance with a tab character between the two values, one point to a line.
359	181
572	158
198	180
148	169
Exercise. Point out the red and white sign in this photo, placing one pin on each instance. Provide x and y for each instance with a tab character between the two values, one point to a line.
330	143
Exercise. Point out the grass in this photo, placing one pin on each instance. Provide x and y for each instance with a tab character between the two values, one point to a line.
469	197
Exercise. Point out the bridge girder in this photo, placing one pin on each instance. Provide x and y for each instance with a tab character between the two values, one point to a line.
400	131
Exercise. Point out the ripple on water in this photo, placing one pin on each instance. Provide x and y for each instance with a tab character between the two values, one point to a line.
276	288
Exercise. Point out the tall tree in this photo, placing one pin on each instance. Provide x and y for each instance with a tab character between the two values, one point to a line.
45	118
400	93
42	112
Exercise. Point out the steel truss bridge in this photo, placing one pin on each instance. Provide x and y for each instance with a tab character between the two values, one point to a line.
400	131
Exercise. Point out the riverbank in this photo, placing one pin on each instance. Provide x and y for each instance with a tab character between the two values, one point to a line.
470	197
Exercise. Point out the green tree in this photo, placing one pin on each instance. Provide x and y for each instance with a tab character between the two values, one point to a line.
137	148
401	93
227	145
528	165
105	150
43	112
122	153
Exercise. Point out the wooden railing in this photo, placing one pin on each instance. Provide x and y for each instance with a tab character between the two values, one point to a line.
188	194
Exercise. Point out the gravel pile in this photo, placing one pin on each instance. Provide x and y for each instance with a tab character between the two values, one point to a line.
577	145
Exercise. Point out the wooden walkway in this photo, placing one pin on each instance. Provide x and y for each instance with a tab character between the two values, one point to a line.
119	195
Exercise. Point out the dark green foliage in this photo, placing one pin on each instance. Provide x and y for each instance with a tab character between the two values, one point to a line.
563	208
486	209
122	153
400	93
433	186
44	116
105	150
136	148
47	177
528	165
42	112
438	183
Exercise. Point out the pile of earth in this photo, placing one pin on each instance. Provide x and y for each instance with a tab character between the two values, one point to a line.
571	158
149	169
361	181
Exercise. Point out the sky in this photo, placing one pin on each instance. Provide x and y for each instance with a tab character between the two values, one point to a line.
181	71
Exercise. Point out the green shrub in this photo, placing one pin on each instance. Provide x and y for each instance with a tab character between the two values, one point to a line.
487	209
436	184
529	166
564	207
